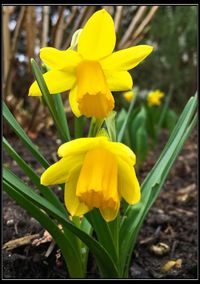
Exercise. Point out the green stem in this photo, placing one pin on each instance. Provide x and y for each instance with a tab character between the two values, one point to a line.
121	133
62	117
95	126
78	126
163	112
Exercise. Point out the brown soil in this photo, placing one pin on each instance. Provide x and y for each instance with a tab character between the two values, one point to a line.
172	221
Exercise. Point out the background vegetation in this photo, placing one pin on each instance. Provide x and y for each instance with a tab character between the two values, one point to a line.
172	30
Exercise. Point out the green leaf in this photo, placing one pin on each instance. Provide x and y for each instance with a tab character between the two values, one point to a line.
95	126
170	119
103	232
87	228
151	125
105	262
121	116
138	135
153	183
56	110
46	192
164	109
121	132
70	255
110	123
23	136
62	116
141	150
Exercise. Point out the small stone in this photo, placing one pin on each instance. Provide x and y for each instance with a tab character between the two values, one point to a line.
160	249
10	222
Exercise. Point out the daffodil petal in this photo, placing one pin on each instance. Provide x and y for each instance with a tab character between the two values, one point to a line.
57	82
80	146
118	80
97	38
74	206
109	214
128	184
126	59
121	151
60	59
34	90
73	101
61	171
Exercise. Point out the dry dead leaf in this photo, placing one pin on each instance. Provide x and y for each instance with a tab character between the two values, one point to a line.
170	264
20	242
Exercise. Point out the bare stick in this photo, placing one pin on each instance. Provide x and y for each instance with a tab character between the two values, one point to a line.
71	17
90	11
45	26
7	82
118	16
6	40
132	26
109	8
17	29
135	41
76	25
30	29
59	29
145	21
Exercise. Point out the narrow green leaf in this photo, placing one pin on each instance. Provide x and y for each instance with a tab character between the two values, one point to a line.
95	126
151	124
170	120
56	100
70	255
103	232
57	117
105	262
152	185
121	132
23	136
190	107
121	116
46	191
62	116
139	215
164	109
110	123
141	150
137	128
87	228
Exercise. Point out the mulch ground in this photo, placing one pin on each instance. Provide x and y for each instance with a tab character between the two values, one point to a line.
167	243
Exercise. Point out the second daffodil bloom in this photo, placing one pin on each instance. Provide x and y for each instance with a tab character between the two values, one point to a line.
97	173
128	96
154	98
94	70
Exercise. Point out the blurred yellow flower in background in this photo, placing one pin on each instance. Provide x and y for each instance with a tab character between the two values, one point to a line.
128	96
97	173
94	70
154	98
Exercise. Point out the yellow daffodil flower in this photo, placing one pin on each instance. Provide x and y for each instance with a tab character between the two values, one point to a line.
154	98
128	96
94	70
97	173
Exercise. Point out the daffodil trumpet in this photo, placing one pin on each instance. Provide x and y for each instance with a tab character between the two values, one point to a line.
92	71
97	173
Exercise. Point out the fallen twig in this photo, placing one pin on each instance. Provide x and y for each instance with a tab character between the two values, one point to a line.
20	242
